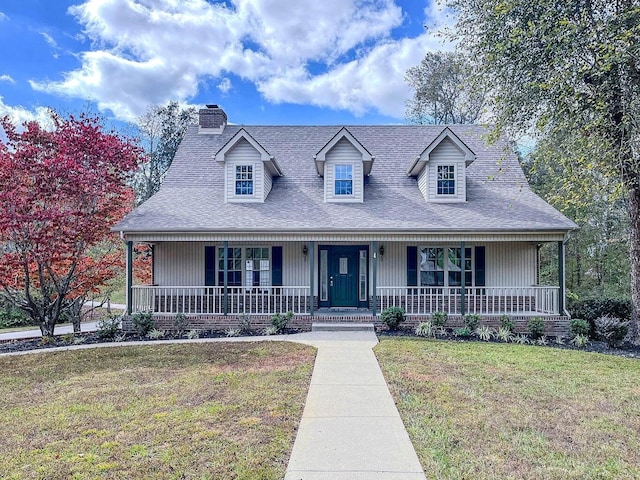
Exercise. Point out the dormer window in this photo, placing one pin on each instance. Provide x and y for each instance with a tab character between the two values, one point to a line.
446	180
343	180
244	179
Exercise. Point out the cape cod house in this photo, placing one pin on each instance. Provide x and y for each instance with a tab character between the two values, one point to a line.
254	220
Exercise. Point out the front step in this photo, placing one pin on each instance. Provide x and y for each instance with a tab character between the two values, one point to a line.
342	327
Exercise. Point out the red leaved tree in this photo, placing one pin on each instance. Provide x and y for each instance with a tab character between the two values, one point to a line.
60	192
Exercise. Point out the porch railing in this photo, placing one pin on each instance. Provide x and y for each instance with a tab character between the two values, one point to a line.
211	300
481	300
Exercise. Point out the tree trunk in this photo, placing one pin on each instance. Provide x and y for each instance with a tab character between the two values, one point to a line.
634	251
47	326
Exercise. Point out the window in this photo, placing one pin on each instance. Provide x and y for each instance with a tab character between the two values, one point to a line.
344	179
431	266
446	180
234	267
440	266
244	179
257	267
454	266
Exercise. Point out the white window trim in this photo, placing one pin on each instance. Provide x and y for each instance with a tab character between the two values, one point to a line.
335	179
455	182
445	270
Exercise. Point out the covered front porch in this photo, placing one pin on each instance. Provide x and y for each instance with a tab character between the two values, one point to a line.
263	278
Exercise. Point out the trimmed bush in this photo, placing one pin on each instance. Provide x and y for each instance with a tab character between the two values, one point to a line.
180	323
279	321
506	323
593	308
439	319
108	327
577	326
536	327
143	322
472	321
392	317
612	330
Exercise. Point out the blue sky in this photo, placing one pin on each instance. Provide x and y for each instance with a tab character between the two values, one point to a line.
263	61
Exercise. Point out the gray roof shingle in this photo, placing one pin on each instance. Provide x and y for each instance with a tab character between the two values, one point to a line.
192	196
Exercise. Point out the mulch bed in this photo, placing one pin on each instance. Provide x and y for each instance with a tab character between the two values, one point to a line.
623	350
92	338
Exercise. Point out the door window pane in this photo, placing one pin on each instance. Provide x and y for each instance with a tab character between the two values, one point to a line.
362	276
324	277
344	266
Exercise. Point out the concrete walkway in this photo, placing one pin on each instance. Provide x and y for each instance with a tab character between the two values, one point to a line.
350	427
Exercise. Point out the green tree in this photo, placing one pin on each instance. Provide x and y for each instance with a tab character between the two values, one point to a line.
160	129
442	91
556	66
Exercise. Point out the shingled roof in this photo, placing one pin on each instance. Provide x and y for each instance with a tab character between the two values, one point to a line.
192	196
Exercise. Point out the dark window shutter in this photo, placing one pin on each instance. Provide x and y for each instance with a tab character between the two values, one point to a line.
412	266
276	266
210	266
479	267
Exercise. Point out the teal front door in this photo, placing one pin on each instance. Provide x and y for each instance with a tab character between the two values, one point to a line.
343	276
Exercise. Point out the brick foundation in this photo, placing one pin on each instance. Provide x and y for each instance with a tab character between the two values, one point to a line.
553	325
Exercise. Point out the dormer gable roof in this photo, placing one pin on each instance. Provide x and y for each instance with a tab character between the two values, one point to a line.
420	161
269	160
320	157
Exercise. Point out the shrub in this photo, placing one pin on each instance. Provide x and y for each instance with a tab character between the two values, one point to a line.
472	321
426	329
593	308
580	340
107	328
180	323
506	322
271	330
10	316
280	321
521	339
155	334
392	317
577	326
193	334
244	323
536	327
611	329
484	333
542	341
233	332
462	332
143	322
439	319
504	334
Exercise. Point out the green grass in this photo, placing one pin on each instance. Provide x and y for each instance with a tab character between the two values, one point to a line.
503	411
199	411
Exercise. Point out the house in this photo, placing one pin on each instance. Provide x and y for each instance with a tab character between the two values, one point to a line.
339	220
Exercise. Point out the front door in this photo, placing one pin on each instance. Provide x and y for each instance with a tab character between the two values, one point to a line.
343	276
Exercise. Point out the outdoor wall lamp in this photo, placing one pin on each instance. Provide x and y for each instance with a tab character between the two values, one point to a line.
305	250
381	250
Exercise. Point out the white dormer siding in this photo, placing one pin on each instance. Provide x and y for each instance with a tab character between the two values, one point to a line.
343	153
445	154
441	169
243	154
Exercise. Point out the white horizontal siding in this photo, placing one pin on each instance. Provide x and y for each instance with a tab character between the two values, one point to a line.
447	153
243	153
343	153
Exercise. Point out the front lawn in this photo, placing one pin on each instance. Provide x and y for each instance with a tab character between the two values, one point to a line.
198	411
505	411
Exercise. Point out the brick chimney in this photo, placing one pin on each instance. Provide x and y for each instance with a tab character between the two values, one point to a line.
212	119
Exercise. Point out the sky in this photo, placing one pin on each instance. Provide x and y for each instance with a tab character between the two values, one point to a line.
269	62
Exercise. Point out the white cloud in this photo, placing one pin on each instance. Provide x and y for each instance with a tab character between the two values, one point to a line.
3	16
151	51
225	85
7	78
18	114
